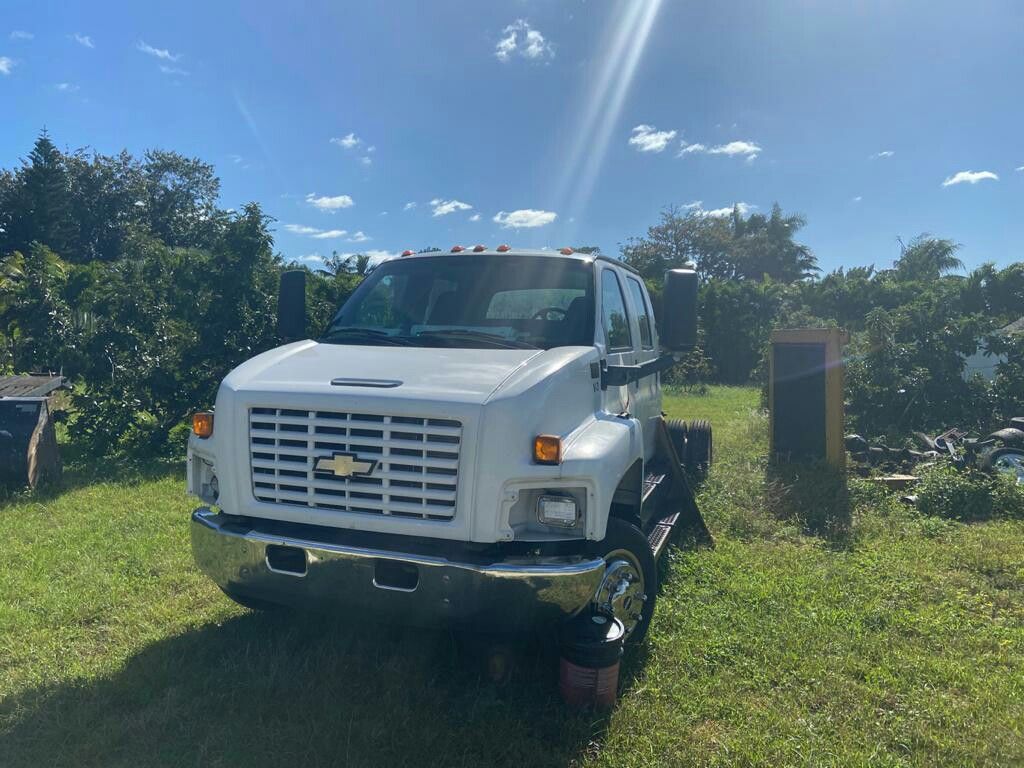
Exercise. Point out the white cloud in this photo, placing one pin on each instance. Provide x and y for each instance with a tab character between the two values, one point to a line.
21	34
444	207
83	40
349	141
366	160
475	217
173	70
744	209
408	206
359	237
319	234
160	53
694	205
66	87
377	256
536	46
857	199
326	203
748	149
647	138
519	38
300	229
969	177
506	46
883	154
310	257
6	65
525	218
1021	168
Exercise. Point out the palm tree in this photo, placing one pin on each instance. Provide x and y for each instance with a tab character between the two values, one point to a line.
358	264
927	257
764	245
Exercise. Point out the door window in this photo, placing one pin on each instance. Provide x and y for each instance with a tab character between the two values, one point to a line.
644	312
613	313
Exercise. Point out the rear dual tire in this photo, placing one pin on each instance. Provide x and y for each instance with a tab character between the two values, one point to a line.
693	443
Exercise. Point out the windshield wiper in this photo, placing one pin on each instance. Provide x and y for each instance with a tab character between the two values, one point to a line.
462	333
353	333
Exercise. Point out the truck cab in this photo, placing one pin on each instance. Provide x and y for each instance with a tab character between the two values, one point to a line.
476	438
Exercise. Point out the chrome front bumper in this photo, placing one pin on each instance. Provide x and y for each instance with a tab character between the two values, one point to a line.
502	595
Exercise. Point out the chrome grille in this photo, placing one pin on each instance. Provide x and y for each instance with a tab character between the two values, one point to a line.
416	471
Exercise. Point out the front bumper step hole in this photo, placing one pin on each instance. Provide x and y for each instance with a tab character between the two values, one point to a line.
290	560
390	574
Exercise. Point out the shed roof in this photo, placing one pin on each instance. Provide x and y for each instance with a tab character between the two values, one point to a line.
1017	326
28	385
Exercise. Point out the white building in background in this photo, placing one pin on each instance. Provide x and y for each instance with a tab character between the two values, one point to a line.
983	362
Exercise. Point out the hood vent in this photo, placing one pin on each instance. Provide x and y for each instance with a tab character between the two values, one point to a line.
373	383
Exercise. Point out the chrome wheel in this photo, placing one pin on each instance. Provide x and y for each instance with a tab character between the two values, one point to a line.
621	592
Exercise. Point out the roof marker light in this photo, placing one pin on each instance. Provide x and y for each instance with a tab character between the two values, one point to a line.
479	248
503	248
408	253
458	248
567	251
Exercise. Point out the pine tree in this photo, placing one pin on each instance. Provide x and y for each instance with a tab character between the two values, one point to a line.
40	200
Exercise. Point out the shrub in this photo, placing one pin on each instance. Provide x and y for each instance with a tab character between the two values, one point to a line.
968	495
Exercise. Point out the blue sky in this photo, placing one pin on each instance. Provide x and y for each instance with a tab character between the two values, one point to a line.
384	126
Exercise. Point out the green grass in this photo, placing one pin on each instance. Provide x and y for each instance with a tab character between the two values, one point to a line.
857	635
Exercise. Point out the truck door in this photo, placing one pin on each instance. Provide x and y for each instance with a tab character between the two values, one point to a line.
646	392
617	334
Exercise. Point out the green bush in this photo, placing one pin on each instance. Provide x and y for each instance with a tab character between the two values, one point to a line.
968	495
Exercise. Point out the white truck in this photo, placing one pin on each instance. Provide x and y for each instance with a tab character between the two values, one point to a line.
477	438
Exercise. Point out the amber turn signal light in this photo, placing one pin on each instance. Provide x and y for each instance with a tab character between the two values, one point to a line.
202	423
547	449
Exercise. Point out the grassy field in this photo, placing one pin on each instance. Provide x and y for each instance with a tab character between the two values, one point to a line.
805	637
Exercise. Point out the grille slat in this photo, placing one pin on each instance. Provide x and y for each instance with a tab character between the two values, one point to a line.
392	475
433	428
359	437
416	471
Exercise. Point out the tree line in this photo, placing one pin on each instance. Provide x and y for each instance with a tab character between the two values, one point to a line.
913	324
128	275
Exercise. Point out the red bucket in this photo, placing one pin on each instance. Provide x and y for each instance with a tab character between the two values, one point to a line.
591	646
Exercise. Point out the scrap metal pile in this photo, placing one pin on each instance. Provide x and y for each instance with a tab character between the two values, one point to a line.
1001	452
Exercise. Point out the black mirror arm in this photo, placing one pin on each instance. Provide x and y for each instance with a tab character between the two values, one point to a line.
621	375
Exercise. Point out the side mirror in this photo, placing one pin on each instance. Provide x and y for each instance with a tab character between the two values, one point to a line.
291	306
679	310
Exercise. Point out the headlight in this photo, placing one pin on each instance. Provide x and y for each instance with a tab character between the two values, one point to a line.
558	510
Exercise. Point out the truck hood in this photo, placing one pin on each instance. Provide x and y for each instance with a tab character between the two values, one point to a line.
454	375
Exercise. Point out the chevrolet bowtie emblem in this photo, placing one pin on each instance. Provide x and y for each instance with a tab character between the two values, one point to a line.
344	465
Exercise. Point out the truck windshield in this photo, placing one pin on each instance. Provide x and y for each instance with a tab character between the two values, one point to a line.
479	302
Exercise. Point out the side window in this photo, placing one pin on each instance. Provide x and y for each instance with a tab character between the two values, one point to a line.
644	312
613	313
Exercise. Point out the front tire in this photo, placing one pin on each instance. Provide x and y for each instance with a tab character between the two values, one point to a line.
629	588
